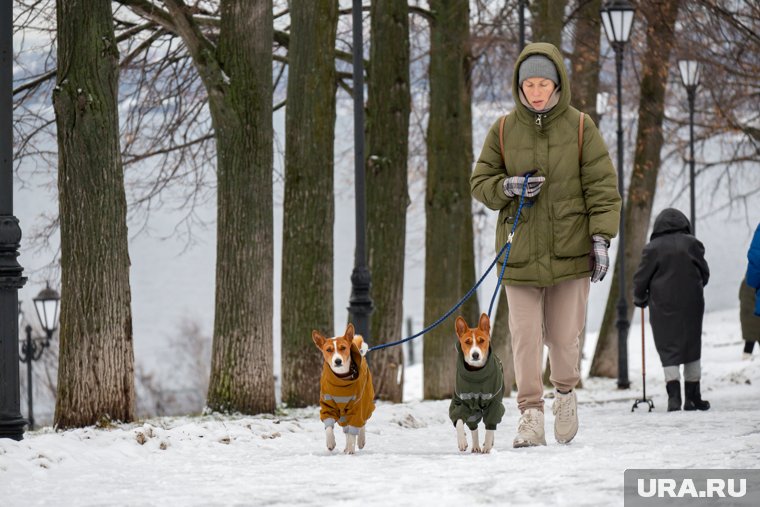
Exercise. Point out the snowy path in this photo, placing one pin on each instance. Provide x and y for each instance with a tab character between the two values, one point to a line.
411	456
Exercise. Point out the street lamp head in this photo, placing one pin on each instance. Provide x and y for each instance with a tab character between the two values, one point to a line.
46	304
689	73
617	18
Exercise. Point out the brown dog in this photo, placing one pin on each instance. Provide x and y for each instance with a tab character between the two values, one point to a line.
479	385
346	391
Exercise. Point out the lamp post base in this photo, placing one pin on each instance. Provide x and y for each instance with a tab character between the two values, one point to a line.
12	426
360	303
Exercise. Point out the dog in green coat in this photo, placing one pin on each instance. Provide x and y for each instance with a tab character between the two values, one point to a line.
479	385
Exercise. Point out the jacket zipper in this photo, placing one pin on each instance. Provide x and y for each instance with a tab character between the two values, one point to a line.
539	122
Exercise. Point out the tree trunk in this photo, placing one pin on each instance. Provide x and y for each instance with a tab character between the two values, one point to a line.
447	195
237	76
307	261
548	21
389	106
242	378
661	18
96	368
584	84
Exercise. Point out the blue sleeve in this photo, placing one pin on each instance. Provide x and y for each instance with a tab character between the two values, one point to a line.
753	256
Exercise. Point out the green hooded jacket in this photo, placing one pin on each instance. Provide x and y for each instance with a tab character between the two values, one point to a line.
552	241
478	393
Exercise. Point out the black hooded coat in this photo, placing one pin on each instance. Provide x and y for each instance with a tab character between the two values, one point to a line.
670	280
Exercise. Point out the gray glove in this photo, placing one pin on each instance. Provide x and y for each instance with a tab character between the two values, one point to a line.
600	257
514	184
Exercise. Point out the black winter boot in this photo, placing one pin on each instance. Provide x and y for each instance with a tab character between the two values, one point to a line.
693	397
674	395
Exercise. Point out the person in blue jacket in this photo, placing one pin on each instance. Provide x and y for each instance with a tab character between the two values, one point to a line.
753	267
749	297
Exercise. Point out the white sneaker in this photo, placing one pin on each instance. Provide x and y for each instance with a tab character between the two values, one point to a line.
565	410
530	430
746	356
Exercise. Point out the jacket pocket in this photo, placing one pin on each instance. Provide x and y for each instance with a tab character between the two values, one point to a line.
570	228
519	252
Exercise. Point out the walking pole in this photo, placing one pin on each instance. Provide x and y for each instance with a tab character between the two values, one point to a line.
643	372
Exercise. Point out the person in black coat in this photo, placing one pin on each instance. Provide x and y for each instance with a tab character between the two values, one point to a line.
670	280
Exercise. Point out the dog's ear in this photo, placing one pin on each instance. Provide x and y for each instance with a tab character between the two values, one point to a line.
350	332
485	323
461	326
319	340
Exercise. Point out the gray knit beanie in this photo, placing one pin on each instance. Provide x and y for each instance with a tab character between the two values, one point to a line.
538	66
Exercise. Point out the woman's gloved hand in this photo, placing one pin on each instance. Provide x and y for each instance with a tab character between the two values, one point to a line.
600	257
513	185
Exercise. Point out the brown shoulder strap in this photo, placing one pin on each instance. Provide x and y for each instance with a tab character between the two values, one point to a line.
580	139
501	137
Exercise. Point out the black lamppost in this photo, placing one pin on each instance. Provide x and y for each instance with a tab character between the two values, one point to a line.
11	422
690	79
46	304
360	302
521	5
617	18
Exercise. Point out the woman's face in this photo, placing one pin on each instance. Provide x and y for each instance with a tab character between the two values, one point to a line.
538	90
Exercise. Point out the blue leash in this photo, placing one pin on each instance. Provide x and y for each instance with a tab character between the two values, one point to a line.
507	246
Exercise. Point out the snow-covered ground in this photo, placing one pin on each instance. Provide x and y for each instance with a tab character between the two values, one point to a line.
411	457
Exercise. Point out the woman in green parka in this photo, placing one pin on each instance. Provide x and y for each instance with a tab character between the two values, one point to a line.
562	235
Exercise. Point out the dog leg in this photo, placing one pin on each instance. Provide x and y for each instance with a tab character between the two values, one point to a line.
350	444
461	438
330	438
476	441
488	444
362	438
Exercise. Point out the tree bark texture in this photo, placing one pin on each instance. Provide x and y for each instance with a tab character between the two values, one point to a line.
584	84
447	198
307	261
388	109
548	21
96	362
242	368
660	17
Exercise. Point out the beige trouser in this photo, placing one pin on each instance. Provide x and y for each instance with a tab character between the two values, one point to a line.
554	315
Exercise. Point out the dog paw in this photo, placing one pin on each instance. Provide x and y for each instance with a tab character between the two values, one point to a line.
362	439
461	438
330	439
488	444
476	449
